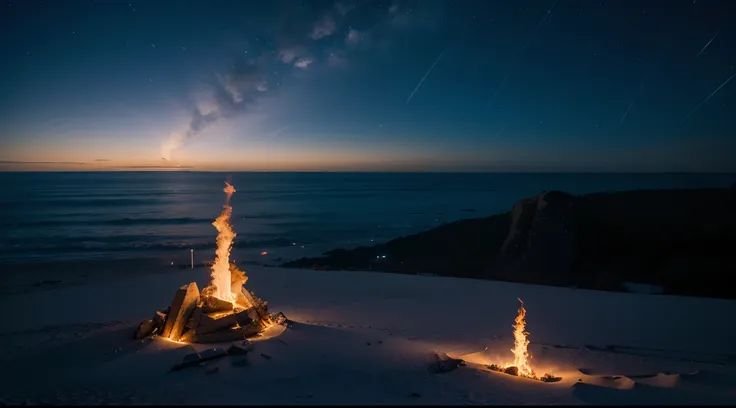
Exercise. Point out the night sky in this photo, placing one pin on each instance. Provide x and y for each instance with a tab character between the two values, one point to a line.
425	85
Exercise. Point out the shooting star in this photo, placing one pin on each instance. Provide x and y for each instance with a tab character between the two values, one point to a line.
425	76
631	104
523	50
490	101
706	99
708	43
644	82
536	30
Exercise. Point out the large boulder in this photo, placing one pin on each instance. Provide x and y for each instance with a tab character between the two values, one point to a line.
540	246
145	329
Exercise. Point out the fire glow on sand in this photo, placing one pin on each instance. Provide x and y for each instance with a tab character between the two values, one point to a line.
223	311
521	366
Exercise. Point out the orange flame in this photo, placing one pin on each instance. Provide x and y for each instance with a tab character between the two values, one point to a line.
220	274
521	354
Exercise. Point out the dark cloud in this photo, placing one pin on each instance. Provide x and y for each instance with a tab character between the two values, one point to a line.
102	160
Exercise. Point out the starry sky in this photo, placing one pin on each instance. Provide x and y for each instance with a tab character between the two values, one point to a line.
369	85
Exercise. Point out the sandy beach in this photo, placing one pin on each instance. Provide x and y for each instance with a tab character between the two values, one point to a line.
360	337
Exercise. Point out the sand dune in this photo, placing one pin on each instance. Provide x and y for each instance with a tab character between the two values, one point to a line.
372	338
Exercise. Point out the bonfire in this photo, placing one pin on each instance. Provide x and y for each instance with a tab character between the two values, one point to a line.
222	312
520	366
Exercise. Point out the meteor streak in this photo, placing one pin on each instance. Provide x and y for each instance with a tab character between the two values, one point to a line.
707	44
706	99
425	76
631	104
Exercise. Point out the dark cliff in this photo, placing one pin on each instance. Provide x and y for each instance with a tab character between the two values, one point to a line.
681	240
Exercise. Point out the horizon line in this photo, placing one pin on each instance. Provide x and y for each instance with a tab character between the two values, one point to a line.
382	171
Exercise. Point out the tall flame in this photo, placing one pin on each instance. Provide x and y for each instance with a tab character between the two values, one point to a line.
220	274
521	354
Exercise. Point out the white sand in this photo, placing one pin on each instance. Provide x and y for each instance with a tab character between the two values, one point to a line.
369	338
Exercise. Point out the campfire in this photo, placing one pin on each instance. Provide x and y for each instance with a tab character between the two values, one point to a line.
520	366
223	311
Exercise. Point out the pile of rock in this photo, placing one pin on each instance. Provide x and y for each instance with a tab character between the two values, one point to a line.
195	317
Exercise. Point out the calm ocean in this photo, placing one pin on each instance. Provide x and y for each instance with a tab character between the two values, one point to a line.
139	214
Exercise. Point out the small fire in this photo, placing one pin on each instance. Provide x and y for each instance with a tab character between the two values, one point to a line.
521	353
521	366
220	282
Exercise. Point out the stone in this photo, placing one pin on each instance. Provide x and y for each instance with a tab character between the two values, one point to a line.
185	300
224	322
513	370
211	304
550	378
446	365
159	319
145	329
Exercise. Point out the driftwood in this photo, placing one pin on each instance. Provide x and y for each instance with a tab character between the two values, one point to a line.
188	336
195	318
202	318
211	304
225	336
241	348
242	301
212	353
216	324
244	318
260	307
184	302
